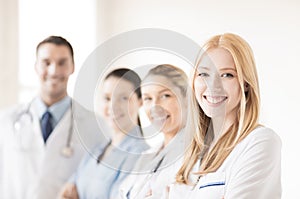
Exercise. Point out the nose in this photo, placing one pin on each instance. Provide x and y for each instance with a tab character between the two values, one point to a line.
157	111
52	69
214	83
155	102
107	109
154	107
114	106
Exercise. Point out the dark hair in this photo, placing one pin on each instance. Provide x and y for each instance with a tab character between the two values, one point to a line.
133	78
57	40
128	75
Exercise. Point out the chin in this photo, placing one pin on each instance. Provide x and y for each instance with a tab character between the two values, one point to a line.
215	114
171	130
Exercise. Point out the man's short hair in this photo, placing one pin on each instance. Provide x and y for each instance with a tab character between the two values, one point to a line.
57	40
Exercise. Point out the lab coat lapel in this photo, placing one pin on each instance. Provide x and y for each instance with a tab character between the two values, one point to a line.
62	129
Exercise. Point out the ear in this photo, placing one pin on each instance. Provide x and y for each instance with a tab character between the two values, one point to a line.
246	87
73	68
35	67
140	102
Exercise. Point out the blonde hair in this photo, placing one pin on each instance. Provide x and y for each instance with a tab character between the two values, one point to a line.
248	112
174	74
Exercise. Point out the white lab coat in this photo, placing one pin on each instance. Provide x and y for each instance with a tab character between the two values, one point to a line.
252	170
155	170
37	170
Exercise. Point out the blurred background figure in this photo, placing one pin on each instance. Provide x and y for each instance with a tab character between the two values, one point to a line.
164	100
100	176
40	145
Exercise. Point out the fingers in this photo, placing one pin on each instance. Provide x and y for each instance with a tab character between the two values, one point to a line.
167	192
68	191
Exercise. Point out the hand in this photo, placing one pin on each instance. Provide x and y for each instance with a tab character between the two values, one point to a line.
69	191
149	194
167	192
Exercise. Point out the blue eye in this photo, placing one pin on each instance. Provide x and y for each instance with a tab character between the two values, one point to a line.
228	75
203	74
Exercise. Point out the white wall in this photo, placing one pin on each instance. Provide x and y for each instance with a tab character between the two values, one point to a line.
72	19
9	86
271	27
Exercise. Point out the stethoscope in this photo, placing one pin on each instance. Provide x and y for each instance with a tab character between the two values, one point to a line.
147	178
25	117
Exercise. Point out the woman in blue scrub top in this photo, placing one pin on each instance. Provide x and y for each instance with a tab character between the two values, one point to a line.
100	177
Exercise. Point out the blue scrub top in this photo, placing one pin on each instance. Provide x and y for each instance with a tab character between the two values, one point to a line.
102	180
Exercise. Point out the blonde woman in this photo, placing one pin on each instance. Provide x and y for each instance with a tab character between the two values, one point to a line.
164	101
231	155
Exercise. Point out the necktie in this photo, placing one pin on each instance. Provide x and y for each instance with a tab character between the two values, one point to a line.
46	125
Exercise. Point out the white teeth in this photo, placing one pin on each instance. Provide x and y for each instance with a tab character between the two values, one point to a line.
53	80
115	117
159	117
215	99
158	114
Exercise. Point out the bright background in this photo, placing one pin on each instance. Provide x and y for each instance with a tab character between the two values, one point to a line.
272	28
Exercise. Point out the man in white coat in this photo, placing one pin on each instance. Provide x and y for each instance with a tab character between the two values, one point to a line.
42	142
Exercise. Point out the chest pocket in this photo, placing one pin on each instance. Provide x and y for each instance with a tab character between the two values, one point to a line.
211	186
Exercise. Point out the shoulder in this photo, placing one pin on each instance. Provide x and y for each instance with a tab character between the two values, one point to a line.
11	109
8	117
262	136
80	111
257	159
138	146
134	142
83	115
261	145
11	112
91	130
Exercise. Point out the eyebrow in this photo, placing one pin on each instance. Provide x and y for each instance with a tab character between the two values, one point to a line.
44	59
233	69
221	69
118	95
203	67
161	91
164	90
48	59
